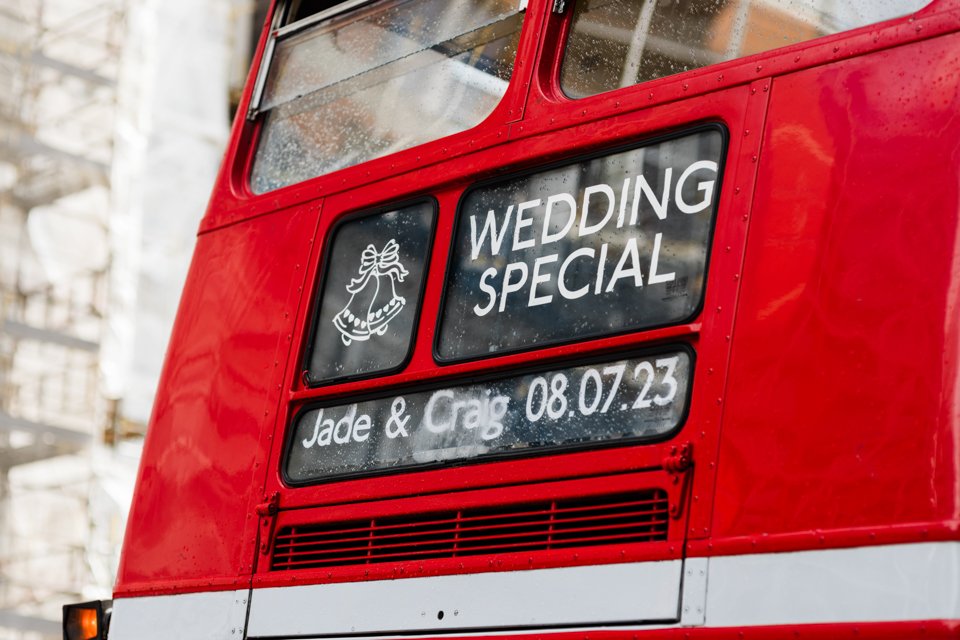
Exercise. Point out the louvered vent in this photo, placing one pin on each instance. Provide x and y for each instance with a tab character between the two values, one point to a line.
559	524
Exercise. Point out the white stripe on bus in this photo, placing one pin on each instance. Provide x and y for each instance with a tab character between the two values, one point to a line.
891	583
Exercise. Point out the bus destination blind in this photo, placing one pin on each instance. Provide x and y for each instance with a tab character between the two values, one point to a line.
637	398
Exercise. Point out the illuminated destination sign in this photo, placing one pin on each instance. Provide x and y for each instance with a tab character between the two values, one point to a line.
607	245
635	398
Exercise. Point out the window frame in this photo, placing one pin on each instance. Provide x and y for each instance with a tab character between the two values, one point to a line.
645	350
279	31
512	103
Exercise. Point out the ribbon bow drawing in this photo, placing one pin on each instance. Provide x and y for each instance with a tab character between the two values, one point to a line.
375	263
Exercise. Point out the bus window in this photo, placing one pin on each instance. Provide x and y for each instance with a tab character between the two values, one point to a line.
346	86
617	43
611	244
371	293
622	400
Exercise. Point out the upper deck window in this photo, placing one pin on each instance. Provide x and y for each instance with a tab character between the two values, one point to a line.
618	43
361	80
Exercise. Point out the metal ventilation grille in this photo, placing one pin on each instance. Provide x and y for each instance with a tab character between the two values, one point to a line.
557	524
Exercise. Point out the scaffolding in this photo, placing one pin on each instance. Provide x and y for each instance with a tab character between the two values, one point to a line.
105	169
58	65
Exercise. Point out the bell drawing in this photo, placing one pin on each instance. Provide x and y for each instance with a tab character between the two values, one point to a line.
374	300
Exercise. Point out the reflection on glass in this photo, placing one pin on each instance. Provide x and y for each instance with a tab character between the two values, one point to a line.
617	43
383	78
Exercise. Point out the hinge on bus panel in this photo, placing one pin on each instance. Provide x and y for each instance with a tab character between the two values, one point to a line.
559	6
678	464
267	511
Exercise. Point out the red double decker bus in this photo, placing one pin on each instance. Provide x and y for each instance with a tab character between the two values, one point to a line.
580	319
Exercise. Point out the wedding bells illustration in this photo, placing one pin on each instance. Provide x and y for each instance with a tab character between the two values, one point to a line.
374	301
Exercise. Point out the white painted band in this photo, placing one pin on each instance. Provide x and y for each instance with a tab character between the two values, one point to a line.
864	584
867	584
571	596
211	615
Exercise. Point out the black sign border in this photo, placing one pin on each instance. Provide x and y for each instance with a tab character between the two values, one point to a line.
594	358
645	142
321	282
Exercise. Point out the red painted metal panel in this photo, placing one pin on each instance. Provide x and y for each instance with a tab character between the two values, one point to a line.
214	413
838	322
740	109
502	511
842	405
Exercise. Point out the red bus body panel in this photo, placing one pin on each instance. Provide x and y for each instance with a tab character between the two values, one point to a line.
825	405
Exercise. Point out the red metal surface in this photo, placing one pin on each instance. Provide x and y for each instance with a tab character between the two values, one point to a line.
583	522
848	311
825	397
424	510
193	516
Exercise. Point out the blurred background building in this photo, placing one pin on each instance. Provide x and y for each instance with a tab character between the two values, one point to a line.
113	118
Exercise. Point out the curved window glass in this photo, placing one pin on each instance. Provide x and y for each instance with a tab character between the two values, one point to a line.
618	43
380	78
